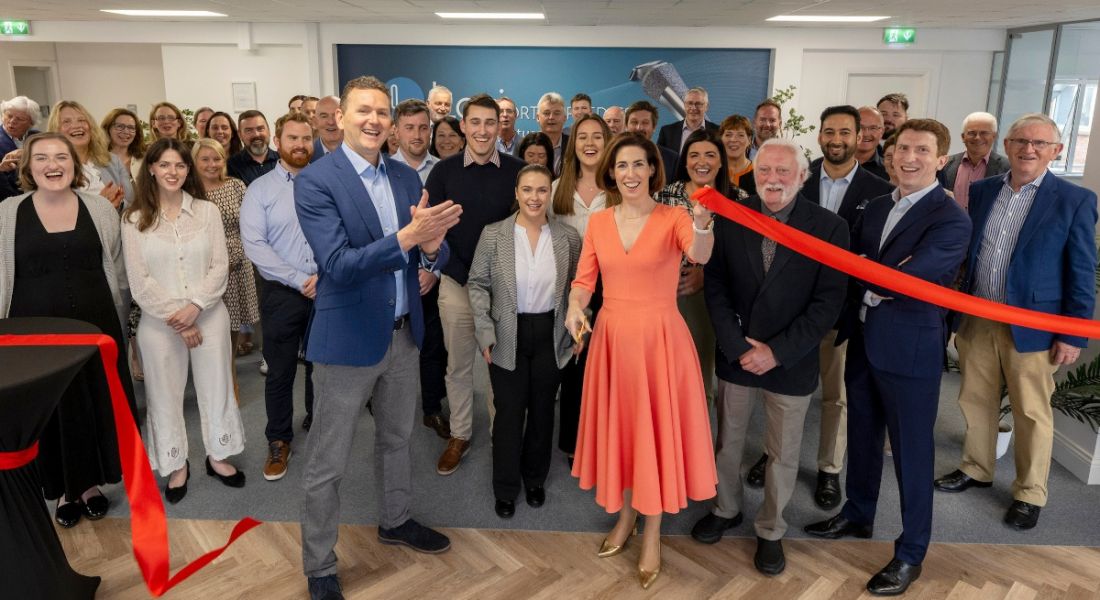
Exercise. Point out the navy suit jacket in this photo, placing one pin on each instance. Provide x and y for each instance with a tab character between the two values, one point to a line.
671	136
903	335
1053	266
863	188
9	182
353	317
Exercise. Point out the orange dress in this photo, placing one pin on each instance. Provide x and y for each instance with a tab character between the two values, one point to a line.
644	424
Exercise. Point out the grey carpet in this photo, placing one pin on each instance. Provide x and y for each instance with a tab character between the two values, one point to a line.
465	498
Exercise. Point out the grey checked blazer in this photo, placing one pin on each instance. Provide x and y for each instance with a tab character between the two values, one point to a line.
492	288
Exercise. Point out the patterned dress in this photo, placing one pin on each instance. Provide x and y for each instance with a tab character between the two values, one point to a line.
240	293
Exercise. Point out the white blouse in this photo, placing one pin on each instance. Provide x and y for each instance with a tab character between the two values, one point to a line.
536	272
176	262
94	182
581	213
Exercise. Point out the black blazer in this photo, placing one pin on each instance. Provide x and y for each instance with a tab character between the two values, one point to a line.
790	308
863	188
671	136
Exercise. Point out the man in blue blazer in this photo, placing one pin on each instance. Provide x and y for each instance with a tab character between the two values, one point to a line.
895	351
18	117
327	135
1034	247
360	214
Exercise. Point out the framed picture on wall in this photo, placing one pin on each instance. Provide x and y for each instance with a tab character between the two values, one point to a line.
244	95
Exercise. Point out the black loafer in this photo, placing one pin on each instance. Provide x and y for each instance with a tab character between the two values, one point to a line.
416	536
956	481
1022	515
235	480
709	529
755	478
68	515
325	588
174	495
827	494
505	509
95	508
439	425
894	579
769	558
536	496
307	422
838	527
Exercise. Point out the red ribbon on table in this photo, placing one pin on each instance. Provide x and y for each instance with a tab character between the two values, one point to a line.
889	278
14	460
149	527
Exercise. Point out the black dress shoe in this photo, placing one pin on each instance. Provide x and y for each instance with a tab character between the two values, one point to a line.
1022	515
235	480
68	515
307	422
439	425
536	496
755	478
709	529
95	508
174	495
957	481
325	588
505	509
769	558
838	527
827	494
415	536
893	579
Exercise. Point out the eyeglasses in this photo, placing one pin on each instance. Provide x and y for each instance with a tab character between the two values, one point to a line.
1039	145
970	135
165	118
695	104
121	127
871	127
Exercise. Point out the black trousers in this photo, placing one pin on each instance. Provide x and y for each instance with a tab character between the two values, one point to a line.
433	356
572	380
523	429
285	314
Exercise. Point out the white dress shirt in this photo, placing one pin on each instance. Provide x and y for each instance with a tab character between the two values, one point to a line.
536	272
581	213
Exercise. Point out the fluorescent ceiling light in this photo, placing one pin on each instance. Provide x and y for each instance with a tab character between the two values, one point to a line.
163	13
490	15
825	19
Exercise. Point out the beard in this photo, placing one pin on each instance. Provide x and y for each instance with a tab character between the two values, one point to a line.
297	158
830	155
258	146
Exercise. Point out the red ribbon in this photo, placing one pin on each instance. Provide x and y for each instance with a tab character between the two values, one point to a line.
14	460
892	279
149	527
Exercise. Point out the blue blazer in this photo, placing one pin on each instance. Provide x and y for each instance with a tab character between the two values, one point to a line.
353	316
906	336
9	182
1053	267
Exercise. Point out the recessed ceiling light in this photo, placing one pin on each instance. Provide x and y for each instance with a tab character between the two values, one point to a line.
163	13
491	15
825	19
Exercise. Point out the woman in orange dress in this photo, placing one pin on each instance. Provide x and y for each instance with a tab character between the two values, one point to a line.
644	438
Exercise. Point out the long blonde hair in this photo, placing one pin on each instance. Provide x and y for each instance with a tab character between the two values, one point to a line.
210	144
99	151
571	166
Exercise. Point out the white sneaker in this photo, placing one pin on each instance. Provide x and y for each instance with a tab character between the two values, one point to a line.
263	366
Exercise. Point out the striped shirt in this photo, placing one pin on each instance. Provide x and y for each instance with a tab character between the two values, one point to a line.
1002	228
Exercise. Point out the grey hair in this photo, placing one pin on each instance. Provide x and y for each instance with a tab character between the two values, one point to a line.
23	104
439	88
700	90
795	149
1035	119
980	116
552	98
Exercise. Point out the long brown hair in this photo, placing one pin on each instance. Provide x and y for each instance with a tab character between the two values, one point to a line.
136	149
605	177
26	178
571	166
146	206
182	133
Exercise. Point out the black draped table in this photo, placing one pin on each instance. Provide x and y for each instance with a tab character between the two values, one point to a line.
32	379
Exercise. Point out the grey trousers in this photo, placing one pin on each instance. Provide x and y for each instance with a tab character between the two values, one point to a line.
785	416
340	393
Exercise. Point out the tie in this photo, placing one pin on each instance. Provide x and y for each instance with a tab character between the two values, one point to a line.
767	249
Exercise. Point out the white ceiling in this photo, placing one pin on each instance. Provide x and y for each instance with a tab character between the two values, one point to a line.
687	13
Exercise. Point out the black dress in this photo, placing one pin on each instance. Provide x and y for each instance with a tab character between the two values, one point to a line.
61	275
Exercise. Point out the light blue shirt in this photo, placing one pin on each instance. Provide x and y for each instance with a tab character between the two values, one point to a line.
425	165
902	204
270	232
832	190
377	183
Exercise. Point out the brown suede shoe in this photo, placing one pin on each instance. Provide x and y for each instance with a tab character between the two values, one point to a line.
452	456
278	455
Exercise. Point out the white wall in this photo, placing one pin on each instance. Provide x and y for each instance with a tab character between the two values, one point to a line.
22	53
106	76
202	75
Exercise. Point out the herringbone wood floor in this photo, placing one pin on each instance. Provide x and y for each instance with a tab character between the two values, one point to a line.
511	565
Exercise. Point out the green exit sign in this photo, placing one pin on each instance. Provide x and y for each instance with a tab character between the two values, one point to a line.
899	35
15	28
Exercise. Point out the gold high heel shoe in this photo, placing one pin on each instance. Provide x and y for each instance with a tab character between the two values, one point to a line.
646	578
608	550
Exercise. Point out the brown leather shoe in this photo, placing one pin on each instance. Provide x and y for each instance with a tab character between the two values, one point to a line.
278	455
439	425
452	456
